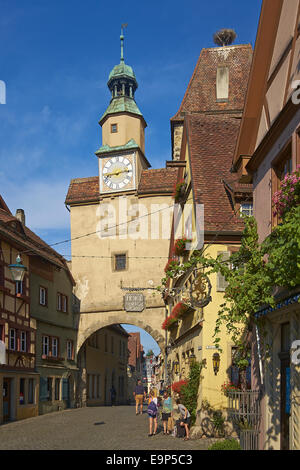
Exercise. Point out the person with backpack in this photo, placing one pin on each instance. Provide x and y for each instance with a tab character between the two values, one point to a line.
152	413
185	419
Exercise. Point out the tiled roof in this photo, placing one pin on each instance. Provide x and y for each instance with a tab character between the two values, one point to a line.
211	142
12	229
83	190
160	180
121	104
200	96
151	182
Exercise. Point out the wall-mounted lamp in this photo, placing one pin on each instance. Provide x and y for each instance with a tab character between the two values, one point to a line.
17	270
216	362
191	358
176	367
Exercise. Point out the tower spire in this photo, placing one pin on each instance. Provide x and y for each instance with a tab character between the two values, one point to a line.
124	25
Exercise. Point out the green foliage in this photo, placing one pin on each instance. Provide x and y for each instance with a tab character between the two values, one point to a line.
251	274
189	392
228	444
218	422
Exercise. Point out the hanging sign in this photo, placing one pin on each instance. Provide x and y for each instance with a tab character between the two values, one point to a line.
134	302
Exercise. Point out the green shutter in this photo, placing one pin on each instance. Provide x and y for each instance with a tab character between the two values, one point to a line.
65	389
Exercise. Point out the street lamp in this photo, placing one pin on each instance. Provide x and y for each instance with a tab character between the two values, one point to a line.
17	270
216	362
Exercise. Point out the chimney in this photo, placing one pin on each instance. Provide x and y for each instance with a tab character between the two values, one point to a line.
20	215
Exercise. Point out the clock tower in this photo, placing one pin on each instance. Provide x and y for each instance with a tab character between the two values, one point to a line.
121	157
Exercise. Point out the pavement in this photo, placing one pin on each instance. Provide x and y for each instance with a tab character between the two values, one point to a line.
91	428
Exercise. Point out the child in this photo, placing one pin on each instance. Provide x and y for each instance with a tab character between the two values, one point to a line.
185	418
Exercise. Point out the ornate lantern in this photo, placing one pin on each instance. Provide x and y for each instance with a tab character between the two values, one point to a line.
17	270
216	362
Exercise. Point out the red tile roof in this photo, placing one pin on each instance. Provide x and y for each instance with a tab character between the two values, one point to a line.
27	241
200	96
158	181
212	142
151	182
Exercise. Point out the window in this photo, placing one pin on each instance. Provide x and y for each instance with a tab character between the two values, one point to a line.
69	349
120	262
31	391
62	303
22	392
236	374
43	296
23	341
57	389
45	345
282	165
114	128
54	347
12	339
246	209
285	337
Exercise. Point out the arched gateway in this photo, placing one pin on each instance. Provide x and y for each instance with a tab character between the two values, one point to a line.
121	222
92	322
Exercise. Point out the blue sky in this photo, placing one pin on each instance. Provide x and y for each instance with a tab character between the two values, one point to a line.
55	58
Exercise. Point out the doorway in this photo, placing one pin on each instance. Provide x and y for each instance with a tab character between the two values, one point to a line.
6	399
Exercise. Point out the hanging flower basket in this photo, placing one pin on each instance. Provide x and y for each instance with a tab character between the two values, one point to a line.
289	194
179	190
180	246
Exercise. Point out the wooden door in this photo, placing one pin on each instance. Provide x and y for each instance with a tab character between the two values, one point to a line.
6	399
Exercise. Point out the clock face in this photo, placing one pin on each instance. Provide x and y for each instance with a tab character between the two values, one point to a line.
117	173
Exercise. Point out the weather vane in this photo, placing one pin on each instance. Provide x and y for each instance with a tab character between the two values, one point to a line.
124	25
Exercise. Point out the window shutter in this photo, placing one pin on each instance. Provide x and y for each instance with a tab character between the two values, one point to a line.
43	389
221	283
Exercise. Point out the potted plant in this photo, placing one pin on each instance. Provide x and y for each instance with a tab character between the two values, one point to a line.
180	309
289	194
228	387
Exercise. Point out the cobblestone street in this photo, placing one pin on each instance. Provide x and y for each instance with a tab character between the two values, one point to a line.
92	428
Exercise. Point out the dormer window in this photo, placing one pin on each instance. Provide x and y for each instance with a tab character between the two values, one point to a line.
222	84
114	128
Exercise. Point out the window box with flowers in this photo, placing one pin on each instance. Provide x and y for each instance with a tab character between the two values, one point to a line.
179	190
180	246
180	309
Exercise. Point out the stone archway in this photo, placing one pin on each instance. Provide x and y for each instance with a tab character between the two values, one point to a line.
150	321
91	322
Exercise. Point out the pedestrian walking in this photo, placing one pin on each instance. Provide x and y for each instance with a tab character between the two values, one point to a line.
152	413
185	418
139	395
167	408
113	394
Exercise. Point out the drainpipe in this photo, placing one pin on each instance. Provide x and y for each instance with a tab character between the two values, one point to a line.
259	356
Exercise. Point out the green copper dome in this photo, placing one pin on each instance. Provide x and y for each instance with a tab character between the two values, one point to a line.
121	70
